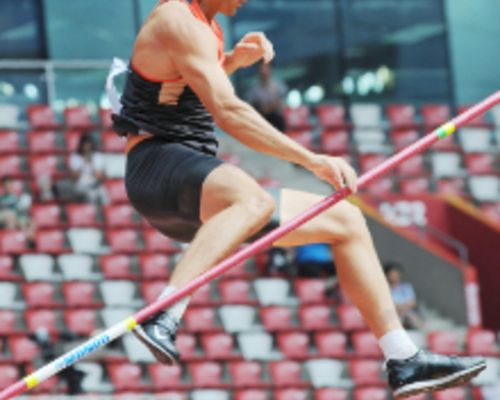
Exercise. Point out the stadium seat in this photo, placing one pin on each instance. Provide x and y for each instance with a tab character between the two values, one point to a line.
13	242
481	342
203	296
286	373
11	142
277	318
46	215
45	165
400	116
85	240
447	144
77	267
331	344
246	374
116	190
119	293
80	322
9	294
156	242
206	374
237	318
41	116
366	115
114	165
457	393
434	115
454	186
256	346
272	291
201	319
165	377
37	267
78	118
105	118
7	269
40	295
402	138
251	394
23	349
93	381
186	344
50	241
235	291
82	215
366	372
485	188
331	115
294	345
48	142
12	165
381	187
117	266
297	117
291	394
413	167
112	143
304	137
120	216
445	342
123	240
446	164
219	346
310	291
366	344
8	322
125	376
135	352
370	141
9	375
315	317
480	163
326	373
370	393
151	290
334	141
475	140
79	294
36	319
154	266
331	394
350	318
369	161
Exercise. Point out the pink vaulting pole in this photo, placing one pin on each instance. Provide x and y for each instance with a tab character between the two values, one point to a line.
264	242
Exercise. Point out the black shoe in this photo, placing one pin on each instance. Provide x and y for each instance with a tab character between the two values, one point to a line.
158	334
427	372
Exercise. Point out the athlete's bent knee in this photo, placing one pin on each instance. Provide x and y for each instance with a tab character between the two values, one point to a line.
260	206
352	220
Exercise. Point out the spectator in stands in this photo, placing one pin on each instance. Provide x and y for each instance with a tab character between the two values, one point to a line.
14	209
314	260
404	297
267	97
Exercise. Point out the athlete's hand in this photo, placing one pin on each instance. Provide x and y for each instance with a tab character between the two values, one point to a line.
253	47
334	170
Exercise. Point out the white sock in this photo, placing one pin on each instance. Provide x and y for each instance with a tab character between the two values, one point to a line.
179	308
397	345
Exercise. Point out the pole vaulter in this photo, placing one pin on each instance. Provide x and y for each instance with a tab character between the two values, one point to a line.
264	242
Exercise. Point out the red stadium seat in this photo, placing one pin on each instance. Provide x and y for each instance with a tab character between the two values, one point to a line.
36	319
413	167
46	215
206	374
402	138
23	350
156	242
44	142
315	317
331	115
186	344
7	269
202	296
381	187
82	215
246	374
366	372
116	190
11	165
236	291
366	344
276	318
434	115
81	322
291	394
150	291
286	373
201	319
11	143
445	342
219	346
79	294
72	138
105	118
123	240
294	344
41	116
334	141
154	266
125	376
370	393
331	394
297	118
40	295
251	394
480	163
454	186
165	377
400	115
78	118
41	165
13	242
331	344
310	291
50	241
117	266
8	320
414	186
457	393
369	161
481	342
120	216
350	318
112	143
9	375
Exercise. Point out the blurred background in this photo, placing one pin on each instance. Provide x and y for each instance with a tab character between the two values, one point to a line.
360	79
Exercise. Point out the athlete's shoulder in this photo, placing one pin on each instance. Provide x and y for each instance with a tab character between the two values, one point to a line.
173	18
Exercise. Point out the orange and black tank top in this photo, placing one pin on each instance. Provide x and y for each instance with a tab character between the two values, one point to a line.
186	122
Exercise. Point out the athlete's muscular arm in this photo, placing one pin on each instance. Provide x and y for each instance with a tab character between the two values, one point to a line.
194	53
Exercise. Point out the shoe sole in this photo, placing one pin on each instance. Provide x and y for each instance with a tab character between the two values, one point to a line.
161	355
446	382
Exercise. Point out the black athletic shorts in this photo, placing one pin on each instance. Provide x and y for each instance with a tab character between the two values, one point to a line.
164	182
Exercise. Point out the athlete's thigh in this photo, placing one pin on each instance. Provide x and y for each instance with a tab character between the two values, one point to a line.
326	227
224	186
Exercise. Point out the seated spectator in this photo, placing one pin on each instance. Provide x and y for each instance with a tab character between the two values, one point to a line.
267	97
314	260
404	297
14	209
